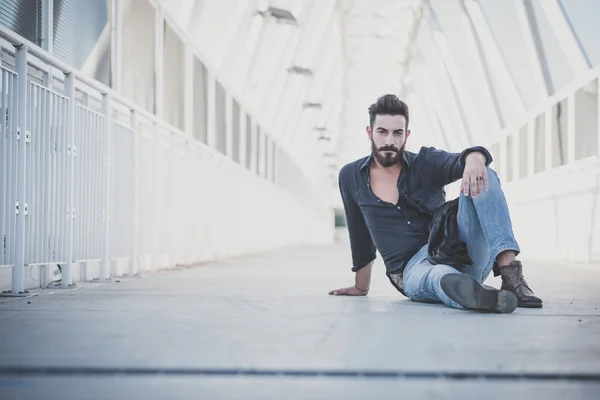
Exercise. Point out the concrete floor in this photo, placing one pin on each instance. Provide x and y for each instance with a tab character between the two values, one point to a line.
270	313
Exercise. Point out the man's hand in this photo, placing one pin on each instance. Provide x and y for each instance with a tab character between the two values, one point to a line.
349	291
475	175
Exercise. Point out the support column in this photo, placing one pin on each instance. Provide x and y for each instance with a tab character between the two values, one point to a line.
70	94
159	45
548	139
571	129
17	269
228	125
598	117
253	147
133	266
531	149
243	136
105	265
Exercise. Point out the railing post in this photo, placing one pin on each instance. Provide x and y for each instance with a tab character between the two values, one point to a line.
133	266
105	267
17	269
70	93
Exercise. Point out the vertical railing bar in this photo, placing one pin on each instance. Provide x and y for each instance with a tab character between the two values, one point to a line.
32	182
105	269
79	237
70	132
14	172
81	216
11	171
46	164
134	209
18	267
51	206
3	166
62	180
35	155
94	178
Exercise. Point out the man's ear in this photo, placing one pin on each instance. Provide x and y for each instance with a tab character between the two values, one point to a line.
407	133
369	132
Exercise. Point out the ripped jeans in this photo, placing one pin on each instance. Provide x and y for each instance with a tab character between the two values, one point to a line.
484	225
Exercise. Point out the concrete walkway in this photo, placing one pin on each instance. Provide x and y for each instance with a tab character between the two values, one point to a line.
263	327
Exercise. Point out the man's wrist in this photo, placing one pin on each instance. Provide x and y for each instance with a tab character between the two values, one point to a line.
476	155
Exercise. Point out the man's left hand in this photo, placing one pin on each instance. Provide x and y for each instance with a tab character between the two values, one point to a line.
475	175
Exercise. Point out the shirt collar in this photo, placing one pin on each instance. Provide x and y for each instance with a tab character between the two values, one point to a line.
369	159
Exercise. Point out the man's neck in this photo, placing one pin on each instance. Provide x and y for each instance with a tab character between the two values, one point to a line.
394	170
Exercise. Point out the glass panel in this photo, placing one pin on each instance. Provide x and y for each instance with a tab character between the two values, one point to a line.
174	76
200	101
502	18
559	134
137	83
540	143
586	121
583	17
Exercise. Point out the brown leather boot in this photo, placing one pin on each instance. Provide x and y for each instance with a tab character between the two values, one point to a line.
513	280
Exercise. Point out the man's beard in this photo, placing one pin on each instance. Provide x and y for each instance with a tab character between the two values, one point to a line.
387	159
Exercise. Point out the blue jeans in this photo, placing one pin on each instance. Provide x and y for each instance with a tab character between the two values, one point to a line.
484	225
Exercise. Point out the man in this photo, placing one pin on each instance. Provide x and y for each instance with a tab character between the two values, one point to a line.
384	195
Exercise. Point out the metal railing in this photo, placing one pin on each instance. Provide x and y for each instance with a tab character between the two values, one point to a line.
118	190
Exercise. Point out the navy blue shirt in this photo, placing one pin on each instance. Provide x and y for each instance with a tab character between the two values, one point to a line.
399	230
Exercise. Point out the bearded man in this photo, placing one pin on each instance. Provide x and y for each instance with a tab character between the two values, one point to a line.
389	200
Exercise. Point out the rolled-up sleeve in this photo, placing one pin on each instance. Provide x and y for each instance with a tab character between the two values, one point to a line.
361	244
444	168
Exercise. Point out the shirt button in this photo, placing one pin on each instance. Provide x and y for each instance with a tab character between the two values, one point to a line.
408	222
398	207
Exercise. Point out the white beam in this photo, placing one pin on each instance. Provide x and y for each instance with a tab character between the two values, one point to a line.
531	48
159	44
565	36
512	97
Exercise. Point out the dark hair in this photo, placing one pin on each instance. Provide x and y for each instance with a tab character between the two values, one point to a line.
388	104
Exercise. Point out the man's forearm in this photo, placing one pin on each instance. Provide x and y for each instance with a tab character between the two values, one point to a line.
363	277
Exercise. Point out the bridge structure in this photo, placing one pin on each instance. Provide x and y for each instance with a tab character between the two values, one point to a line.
171	220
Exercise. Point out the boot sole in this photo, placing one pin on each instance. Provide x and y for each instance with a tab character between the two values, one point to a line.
532	304
469	293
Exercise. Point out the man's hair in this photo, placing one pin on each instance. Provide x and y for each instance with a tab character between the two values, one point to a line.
388	104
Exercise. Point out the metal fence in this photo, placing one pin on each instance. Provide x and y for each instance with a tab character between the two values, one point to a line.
93	181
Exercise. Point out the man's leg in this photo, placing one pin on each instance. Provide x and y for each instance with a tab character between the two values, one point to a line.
484	225
424	282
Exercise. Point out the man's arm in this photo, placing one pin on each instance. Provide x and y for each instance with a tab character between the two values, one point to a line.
443	168
361	244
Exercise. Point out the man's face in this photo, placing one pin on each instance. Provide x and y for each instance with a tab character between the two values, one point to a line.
388	138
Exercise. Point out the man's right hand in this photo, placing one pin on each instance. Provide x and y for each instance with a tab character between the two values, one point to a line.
349	291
